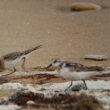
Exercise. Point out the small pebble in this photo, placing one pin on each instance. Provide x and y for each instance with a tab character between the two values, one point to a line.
96	57
83	6
78	87
30	102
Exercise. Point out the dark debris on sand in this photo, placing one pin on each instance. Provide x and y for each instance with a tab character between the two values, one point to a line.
3	80
61	102
37	76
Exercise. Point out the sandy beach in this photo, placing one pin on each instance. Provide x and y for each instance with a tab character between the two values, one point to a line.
65	34
62	33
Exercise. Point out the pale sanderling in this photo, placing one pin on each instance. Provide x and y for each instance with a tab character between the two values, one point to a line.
11	60
74	71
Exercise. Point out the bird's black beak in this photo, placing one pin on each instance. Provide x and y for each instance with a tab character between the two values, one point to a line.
48	66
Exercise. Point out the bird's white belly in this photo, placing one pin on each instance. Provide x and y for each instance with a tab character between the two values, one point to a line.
13	63
71	75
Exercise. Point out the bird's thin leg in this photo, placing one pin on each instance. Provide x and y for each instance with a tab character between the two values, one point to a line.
14	70
23	64
85	84
68	87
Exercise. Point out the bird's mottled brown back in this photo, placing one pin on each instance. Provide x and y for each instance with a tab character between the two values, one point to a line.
95	68
79	67
15	55
76	66
12	56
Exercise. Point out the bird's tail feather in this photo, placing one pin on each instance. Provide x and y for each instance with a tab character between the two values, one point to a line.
32	49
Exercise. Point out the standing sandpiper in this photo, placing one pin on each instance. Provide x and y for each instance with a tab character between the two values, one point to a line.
11	60
74	71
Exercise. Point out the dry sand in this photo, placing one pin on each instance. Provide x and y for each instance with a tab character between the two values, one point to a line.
65	34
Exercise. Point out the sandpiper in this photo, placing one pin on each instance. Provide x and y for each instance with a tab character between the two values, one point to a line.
74	71
11	60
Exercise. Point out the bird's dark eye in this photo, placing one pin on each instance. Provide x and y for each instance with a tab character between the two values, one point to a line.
55	61
67	64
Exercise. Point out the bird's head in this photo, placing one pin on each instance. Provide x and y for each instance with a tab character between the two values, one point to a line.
56	62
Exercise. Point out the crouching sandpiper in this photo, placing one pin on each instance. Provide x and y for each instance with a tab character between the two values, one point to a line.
74	71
